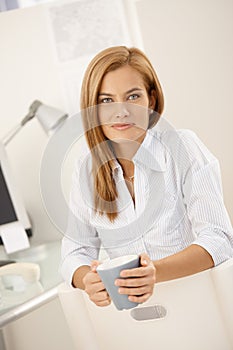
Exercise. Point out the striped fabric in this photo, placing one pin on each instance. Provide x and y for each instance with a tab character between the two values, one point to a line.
178	202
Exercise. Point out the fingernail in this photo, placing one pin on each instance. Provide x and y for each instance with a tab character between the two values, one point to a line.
116	283
144	262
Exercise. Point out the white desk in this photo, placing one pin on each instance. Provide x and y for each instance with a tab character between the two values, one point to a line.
14	305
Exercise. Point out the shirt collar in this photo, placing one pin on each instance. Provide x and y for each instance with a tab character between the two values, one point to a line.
151	153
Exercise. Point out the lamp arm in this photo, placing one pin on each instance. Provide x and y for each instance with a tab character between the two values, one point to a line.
10	135
31	114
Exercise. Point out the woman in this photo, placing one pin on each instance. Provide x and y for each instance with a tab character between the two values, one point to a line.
140	186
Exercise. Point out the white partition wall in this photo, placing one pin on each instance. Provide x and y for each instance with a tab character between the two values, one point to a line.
191	46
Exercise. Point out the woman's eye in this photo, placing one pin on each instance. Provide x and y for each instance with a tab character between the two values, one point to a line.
133	97
106	100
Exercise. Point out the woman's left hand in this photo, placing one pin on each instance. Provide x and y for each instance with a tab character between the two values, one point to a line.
138	283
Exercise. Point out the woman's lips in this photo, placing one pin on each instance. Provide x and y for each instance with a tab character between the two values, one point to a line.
122	126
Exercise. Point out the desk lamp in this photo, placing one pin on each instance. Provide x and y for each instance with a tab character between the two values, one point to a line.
50	119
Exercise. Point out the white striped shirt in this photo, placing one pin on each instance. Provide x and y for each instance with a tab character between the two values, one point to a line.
178	202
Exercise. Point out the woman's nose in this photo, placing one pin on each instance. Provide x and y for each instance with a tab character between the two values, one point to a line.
121	110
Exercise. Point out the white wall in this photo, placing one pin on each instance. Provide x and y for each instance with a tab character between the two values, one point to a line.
191	46
27	73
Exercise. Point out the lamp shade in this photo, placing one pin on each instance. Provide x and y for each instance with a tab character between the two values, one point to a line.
50	118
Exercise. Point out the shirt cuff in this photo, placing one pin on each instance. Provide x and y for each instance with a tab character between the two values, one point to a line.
216	244
70	265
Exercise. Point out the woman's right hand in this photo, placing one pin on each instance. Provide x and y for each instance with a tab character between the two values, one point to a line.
94	287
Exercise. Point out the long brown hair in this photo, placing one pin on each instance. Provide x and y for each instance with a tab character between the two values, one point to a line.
105	193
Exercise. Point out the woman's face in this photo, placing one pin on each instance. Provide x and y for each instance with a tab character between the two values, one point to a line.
124	105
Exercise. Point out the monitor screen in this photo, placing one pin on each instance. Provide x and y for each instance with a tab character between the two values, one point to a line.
7	211
11	205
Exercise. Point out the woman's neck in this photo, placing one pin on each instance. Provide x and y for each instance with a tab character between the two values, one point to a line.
126	149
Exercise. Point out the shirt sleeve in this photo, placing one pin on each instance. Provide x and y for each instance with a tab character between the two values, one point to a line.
203	197
80	244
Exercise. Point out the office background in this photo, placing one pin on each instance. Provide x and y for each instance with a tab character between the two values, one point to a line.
190	44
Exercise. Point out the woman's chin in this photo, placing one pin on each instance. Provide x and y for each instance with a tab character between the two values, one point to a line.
126	135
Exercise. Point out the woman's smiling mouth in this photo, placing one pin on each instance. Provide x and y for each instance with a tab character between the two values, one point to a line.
122	126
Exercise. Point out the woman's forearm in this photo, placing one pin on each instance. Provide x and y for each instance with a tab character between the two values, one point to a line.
191	260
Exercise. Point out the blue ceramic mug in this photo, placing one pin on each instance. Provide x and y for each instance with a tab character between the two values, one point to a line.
110	270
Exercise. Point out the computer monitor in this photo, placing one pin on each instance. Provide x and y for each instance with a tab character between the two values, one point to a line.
11	206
